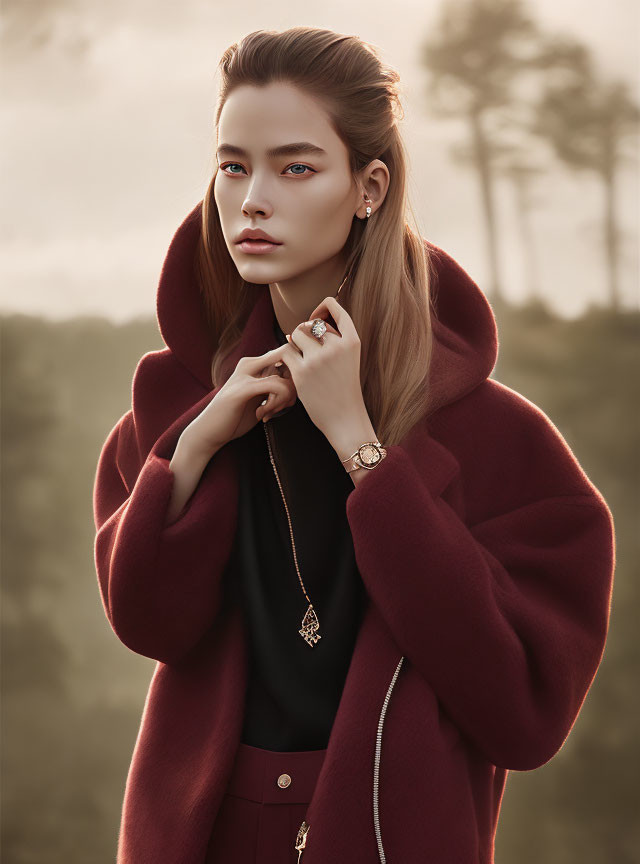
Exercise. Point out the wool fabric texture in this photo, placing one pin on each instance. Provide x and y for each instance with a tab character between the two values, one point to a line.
487	556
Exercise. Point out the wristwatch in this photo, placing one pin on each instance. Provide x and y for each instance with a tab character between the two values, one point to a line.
368	455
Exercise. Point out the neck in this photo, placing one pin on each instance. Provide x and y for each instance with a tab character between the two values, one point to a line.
295	299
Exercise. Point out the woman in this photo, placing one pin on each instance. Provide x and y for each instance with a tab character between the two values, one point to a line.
374	593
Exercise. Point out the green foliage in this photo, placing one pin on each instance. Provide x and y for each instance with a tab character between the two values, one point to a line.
584	376
72	694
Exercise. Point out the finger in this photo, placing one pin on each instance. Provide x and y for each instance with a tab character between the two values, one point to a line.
269	388
301	339
339	315
255	365
282	369
273	404
294	344
306	339
285	372
291	356
278	369
264	406
275	387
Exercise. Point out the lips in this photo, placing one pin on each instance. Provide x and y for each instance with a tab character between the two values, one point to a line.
257	247
256	234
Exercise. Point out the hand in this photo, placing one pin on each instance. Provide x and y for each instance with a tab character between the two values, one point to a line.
327	376
236	407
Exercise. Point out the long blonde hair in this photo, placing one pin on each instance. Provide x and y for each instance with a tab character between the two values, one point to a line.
387	293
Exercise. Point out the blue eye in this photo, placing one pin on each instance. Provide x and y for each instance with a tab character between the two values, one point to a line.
298	165
295	165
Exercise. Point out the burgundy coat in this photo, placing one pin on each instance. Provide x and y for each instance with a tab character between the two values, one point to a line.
488	558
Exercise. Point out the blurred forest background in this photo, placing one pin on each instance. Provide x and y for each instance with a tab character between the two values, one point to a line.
72	694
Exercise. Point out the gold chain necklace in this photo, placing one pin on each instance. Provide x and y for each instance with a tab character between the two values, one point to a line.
310	629
310	624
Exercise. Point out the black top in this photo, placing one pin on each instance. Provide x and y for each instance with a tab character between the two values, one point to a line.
294	688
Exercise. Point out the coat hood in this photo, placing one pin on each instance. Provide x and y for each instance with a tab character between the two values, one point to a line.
464	327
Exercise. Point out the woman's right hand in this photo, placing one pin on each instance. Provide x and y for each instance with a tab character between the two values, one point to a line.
236	407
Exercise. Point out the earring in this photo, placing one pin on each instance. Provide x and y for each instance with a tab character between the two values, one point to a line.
366	198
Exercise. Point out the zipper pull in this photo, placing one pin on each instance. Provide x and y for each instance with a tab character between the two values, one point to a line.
301	839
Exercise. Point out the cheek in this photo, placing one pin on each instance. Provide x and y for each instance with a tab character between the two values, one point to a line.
227	195
330	226
328	191
328	214
227	207
318	239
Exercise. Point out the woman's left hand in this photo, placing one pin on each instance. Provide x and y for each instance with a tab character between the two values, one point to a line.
327	376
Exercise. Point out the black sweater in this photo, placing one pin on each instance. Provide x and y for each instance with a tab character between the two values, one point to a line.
294	688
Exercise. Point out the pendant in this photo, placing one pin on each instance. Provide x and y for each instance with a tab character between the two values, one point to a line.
310	626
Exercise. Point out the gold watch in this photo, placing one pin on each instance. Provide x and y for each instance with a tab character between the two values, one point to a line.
368	455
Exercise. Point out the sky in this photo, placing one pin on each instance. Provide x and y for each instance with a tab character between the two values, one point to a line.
107	111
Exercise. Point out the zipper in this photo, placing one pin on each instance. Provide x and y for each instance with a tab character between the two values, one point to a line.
301	839
303	830
376	764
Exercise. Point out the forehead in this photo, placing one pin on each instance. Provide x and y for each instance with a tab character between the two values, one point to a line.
268	120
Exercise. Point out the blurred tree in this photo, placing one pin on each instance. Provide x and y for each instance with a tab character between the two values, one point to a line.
69	712
586	120
475	55
584	375
30	523
520	171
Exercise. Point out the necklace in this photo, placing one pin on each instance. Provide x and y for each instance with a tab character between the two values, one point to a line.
310	629
310	625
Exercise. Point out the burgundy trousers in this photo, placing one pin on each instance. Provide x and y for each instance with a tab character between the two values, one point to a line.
264	805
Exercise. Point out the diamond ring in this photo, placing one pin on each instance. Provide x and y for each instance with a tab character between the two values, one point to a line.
318	328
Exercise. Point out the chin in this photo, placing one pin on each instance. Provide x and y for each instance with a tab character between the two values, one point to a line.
256	268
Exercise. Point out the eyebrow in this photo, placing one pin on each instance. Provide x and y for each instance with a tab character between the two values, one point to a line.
283	150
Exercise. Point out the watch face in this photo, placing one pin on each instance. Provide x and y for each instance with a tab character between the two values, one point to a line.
369	454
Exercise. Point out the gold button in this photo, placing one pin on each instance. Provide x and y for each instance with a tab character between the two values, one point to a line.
284	780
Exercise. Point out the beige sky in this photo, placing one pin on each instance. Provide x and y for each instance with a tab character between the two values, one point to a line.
107	123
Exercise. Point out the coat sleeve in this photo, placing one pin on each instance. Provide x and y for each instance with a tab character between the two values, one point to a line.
507	617
160	585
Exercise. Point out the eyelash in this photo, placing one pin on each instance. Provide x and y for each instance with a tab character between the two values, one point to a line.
313	171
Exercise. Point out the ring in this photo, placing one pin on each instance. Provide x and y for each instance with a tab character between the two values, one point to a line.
318	328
